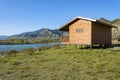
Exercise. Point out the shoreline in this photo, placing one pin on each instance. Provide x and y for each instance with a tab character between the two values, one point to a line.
28	43
19	47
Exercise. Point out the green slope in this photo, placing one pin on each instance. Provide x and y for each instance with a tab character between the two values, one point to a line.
39	34
62	64
115	31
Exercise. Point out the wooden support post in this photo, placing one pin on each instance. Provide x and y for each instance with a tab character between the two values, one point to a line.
90	46
76	46
73	45
81	46
87	46
69	45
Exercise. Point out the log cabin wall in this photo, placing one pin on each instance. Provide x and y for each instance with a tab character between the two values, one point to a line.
101	34
80	32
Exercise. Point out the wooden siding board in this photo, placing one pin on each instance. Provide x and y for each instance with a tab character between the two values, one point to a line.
93	33
80	37
101	34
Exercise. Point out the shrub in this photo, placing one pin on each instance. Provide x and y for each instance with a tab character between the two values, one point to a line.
57	46
12	52
29	51
1	53
44	48
16	63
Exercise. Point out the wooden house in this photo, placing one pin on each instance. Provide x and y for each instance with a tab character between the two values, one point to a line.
86	31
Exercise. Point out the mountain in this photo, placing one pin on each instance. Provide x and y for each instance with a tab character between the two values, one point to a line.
115	31
39	34
105	20
2	37
48	34
115	22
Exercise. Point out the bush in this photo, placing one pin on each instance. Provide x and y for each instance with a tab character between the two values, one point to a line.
29	51
57	46
12	52
16	63
1	53
44	48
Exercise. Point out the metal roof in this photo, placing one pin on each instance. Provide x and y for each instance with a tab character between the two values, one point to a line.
88	19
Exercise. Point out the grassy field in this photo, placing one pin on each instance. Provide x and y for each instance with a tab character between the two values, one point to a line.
64	63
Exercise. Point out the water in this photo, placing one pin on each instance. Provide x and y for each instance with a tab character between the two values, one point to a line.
23	46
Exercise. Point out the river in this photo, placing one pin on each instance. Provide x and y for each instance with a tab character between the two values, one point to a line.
23	46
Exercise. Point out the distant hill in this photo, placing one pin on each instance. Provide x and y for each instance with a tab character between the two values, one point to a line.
115	22
49	34
2	37
105	20
115	31
39	34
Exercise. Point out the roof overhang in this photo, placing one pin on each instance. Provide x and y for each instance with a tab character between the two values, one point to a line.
106	24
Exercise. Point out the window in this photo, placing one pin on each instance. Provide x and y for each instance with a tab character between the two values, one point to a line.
79	30
65	33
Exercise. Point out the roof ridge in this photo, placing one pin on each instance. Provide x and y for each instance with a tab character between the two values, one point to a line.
90	19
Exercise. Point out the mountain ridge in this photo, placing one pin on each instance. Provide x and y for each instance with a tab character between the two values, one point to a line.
115	31
43	33
3	37
46	33
115	22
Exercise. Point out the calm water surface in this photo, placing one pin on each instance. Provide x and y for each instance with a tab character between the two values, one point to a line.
23	46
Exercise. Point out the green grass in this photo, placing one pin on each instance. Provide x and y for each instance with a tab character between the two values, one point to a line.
64	63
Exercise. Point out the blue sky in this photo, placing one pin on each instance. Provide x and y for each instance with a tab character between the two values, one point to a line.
17	16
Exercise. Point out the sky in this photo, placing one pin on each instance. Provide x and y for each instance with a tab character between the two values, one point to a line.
18	16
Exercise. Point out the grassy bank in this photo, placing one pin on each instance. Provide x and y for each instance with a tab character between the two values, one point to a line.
62	63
